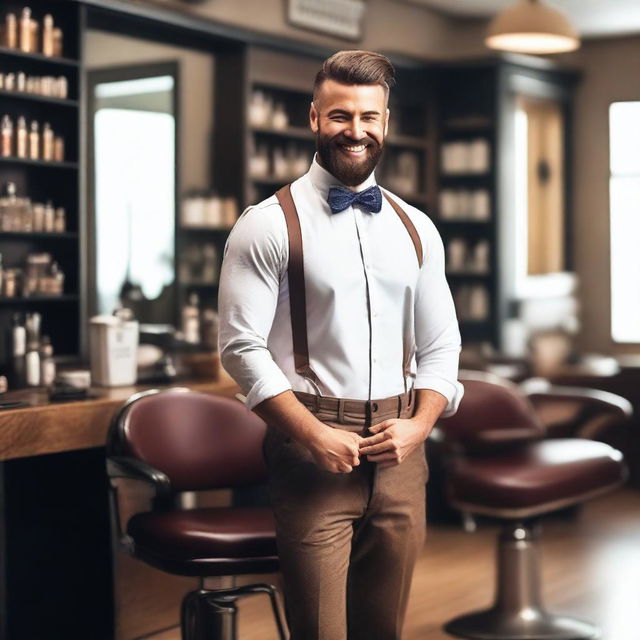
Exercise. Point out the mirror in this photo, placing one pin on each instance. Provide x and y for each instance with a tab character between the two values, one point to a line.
152	84
134	166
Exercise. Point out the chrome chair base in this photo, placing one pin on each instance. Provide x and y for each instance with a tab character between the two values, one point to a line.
518	612
212	615
494	624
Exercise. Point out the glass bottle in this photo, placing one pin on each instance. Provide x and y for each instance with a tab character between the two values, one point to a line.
47	364
21	138
10	31
6	137
47	35
47	142
25	30
34	141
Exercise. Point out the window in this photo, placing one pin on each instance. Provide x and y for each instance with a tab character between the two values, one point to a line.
624	202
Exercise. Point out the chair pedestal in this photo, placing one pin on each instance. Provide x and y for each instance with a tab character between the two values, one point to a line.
212	614
518	613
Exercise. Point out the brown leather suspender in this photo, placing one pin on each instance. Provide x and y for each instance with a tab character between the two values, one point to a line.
297	290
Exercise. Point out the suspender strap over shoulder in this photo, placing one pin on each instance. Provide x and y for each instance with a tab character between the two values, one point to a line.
297	290
415	238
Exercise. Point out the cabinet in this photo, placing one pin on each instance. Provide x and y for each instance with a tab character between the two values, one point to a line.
481	188
27	232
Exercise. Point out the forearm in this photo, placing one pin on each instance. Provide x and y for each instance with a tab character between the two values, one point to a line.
429	406
285	412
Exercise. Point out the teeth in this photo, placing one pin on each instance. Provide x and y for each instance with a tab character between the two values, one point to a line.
359	147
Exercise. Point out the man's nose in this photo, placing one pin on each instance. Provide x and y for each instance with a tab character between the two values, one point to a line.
355	131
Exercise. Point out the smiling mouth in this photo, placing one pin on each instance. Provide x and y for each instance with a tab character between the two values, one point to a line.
353	148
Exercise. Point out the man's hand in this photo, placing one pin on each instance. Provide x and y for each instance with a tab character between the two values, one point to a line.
335	450
393	441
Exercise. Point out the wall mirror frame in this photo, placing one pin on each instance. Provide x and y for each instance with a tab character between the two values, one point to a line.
163	302
525	90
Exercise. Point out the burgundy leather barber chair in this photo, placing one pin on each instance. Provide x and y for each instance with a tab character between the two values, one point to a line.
501	466
179	440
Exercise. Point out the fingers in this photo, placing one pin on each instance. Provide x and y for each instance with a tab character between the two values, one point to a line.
390	456
379	437
381	426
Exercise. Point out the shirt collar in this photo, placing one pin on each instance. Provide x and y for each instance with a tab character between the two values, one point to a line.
322	180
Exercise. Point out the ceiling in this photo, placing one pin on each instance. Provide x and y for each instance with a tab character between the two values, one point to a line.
590	17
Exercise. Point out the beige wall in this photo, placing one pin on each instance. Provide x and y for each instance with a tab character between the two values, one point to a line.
196	94
610	72
389	25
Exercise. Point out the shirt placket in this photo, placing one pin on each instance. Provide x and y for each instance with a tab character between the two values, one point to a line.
367	266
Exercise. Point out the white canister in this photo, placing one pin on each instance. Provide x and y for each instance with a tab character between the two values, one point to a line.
113	344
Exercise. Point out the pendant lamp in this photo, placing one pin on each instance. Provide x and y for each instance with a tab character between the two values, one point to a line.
532	26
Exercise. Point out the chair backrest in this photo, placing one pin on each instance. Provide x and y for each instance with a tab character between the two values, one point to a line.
199	441
492	412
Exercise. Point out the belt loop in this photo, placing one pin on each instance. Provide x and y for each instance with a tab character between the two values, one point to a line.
341	410
400	407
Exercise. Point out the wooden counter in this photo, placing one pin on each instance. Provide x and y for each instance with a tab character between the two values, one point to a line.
53	427
54	525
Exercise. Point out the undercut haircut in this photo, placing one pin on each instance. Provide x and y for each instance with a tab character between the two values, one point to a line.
356	67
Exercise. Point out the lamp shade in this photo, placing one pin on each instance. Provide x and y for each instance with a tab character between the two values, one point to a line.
532	26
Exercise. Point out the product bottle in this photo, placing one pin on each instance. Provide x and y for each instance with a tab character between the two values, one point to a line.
21	138
25	30
34	36
47	364
60	224
18	337
10	218
47	142
57	42
58	148
10	31
191	320
49	217
33	364
6	137
34	141
47	35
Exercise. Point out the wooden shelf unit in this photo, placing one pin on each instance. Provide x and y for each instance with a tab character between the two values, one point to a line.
42	180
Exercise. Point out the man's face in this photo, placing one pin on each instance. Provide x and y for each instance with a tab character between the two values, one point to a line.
350	123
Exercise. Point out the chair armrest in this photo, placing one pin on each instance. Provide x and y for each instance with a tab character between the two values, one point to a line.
133	469
136	470
540	390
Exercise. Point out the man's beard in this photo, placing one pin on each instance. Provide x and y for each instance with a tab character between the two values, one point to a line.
350	171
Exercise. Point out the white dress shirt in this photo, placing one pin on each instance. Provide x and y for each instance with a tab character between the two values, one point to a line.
365	292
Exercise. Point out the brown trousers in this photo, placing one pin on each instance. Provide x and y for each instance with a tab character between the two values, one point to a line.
347	542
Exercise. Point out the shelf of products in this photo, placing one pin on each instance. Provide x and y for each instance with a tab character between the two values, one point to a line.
39	181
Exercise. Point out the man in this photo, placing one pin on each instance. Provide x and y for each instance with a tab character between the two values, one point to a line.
372	313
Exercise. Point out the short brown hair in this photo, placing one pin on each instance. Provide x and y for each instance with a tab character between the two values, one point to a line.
356	67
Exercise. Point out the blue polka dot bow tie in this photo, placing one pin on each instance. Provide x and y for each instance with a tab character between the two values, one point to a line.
340	198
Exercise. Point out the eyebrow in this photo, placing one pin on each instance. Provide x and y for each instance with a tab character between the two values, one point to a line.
348	113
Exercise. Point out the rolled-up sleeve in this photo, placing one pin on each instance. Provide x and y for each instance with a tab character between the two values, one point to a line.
436	327
254	261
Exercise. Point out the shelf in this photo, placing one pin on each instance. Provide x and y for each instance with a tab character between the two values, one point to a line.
38	299
39	163
38	57
470	124
273	182
297	133
408	142
418	198
35	97
468	275
37	235
466	177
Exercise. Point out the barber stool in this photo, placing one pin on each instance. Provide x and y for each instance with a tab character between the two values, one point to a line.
519	480
178	440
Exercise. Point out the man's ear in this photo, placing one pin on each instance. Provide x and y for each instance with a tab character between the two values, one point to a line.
386	122
313	117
